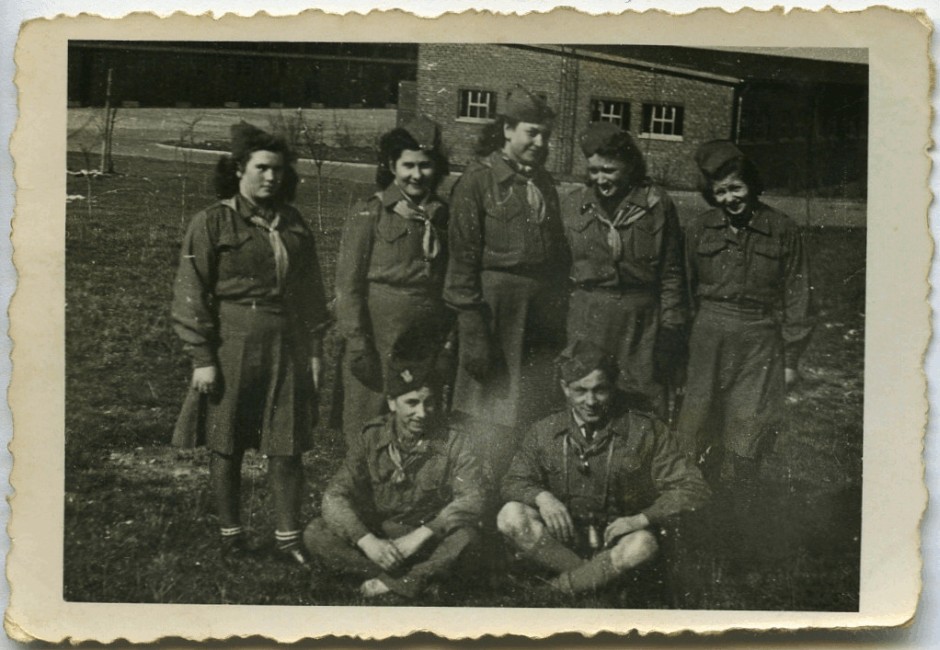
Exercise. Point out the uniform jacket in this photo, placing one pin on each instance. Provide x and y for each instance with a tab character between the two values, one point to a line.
646	474
226	258
652	247
763	265
492	228
443	489
382	247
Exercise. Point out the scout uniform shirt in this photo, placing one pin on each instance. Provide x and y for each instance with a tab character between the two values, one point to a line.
227	258
762	266
636	249
494	227
381	246
631	466
435	484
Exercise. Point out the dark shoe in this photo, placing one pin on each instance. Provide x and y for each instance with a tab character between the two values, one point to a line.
237	548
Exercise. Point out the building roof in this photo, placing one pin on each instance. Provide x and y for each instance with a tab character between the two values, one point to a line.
744	66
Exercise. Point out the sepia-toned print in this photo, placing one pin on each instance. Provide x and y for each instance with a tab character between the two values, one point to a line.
564	329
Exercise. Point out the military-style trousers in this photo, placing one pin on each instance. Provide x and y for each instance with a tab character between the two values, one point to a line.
625	324
392	313
433	562
735	387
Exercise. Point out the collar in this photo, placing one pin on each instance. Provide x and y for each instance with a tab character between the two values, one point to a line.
643	195
760	220
387	435
503	171
245	210
393	194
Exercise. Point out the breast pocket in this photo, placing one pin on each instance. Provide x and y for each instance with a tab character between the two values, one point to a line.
766	264
393	245
431	480
237	257
504	220
711	260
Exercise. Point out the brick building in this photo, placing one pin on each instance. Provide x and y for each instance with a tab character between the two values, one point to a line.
804	122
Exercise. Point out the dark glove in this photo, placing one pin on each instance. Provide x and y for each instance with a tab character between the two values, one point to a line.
670	352
367	368
476	351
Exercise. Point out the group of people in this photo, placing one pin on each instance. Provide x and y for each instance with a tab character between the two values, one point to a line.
510	358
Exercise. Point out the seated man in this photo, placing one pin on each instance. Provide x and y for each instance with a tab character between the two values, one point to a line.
589	482
407	501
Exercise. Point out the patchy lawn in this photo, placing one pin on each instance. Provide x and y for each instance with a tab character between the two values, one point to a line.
138	518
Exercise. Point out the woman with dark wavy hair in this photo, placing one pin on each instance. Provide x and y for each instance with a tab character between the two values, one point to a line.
390	270
249	306
626	251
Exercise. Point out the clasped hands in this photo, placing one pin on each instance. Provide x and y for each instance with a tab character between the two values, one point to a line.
390	554
561	526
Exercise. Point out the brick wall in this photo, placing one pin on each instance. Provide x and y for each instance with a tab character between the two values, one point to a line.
445	69
707	114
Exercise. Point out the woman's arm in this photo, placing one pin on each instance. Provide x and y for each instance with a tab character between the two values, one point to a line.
193	312
352	268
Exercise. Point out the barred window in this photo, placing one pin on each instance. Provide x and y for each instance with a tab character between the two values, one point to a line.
662	121
613	111
477	105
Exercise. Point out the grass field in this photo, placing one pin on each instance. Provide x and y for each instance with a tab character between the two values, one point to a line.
138	519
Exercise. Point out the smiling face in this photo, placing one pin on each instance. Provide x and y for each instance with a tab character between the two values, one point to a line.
527	143
608	175
413	411
590	396
414	173
733	195
260	178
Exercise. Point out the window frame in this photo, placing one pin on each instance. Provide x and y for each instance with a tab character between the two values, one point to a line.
678	117
596	107
490	105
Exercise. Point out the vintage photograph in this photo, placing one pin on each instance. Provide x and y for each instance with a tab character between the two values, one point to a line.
465	324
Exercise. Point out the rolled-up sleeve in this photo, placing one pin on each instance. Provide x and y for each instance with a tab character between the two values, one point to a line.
679	483
466	482
192	312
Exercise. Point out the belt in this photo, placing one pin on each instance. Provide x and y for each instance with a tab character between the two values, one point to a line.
255	304
729	308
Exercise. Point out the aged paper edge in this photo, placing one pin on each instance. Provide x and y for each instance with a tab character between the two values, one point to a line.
895	401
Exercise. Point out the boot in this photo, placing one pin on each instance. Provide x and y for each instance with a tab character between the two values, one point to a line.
590	576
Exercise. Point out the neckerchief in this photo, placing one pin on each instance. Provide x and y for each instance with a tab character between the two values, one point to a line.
533	194
281	261
408	209
624	217
402	458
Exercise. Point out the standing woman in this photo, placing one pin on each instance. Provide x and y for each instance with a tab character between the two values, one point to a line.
506	279
749	278
626	249
390	270
249	305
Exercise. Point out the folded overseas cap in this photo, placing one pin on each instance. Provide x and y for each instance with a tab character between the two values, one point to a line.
247	138
410	365
712	155
424	130
523	106
606	136
581	358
